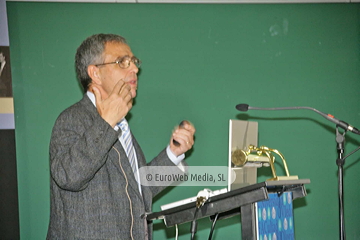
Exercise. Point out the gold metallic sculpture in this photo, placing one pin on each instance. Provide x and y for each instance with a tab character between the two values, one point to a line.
240	157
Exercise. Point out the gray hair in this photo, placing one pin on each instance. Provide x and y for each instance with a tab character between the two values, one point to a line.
91	52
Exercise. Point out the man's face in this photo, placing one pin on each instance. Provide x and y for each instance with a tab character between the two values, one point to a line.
110	74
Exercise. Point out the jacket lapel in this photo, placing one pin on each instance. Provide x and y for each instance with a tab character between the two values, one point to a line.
113	155
124	166
147	195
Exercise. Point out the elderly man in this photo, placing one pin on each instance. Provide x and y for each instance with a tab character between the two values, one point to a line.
94	158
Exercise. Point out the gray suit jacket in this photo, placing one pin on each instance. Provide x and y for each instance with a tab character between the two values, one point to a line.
89	197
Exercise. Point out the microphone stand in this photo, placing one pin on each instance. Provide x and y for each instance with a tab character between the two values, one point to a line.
340	161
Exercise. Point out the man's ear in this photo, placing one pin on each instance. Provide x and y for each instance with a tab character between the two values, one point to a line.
94	74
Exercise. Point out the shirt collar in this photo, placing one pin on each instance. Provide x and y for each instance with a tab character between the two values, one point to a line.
92	97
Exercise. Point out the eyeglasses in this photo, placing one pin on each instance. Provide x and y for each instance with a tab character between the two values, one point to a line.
124	62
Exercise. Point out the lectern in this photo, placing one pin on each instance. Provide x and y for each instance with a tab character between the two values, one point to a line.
263	207
239	201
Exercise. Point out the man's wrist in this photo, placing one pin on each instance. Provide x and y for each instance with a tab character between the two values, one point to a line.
175	159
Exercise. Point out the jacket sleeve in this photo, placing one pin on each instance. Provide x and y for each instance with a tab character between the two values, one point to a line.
163	160
78	148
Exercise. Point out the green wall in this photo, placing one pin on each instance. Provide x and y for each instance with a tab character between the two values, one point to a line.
199	61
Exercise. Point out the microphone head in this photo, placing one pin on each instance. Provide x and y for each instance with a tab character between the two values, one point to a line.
242	107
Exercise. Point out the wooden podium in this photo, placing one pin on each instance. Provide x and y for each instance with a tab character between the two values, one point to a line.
240	201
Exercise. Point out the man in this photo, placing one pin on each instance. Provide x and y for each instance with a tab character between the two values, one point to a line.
94	194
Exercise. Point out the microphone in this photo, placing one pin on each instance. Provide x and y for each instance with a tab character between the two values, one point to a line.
243	107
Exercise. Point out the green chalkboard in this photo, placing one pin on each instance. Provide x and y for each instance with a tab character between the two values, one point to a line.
199	61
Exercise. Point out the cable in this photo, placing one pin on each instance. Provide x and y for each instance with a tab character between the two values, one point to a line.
128	196
193	227
351	153
202	197
213	226
176	232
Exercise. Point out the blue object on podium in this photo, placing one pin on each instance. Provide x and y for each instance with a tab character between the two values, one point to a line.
275	220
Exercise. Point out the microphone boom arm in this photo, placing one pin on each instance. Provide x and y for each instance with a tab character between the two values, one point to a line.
331	118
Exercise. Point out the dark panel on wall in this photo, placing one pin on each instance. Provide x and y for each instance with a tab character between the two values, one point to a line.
5	73
9	213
